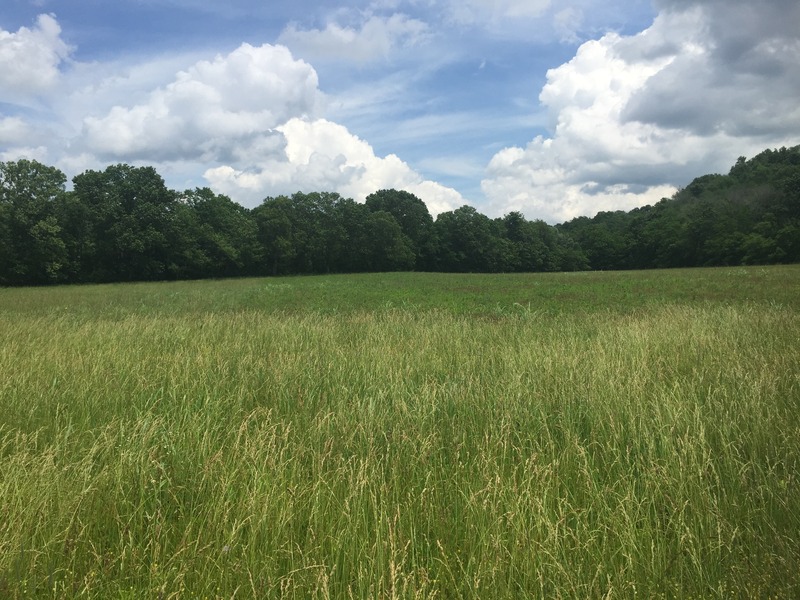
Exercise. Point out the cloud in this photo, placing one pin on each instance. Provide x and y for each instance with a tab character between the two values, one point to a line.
480	11
21	139
16	139
13	131
372	40
248	121
540	21
214	111
30	60
567	22
743	72
633	117
322	155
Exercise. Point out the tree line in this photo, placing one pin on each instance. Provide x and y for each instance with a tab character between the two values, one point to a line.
124	224
749	216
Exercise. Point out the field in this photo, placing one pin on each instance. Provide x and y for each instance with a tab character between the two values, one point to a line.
585	435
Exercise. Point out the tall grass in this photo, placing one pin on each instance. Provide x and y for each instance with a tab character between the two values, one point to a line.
489	450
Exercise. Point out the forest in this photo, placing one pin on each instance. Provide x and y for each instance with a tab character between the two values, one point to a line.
125	224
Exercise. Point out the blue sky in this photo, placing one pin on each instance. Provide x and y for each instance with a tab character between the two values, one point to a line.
555	109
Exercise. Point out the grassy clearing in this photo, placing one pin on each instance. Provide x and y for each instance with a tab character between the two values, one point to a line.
402	436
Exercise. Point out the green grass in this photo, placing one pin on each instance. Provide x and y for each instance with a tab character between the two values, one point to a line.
404	435
469	294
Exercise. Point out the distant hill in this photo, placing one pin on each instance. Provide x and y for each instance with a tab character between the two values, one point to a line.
749	216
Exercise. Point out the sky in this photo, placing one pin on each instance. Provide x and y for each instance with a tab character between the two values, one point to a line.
555	109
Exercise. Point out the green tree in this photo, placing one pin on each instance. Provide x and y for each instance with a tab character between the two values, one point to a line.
33	250
131	225
605	239
748	216
354	222
388	249
220	236
469	242
528	239
415	221
7	251
276	234
318	237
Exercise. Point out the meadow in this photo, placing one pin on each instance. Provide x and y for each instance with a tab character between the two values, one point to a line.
582	435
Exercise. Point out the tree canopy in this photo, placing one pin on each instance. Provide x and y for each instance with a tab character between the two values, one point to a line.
124	224
749	216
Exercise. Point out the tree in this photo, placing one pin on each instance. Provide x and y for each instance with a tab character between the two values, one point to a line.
299	234
7	250
748	216
389	249
606	239
131	225
33	250
354	220
325	233
469	242
530	253
414	219
220	235
275	231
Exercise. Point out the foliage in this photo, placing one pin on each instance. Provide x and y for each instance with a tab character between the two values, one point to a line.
325	233
750	216
219	236
415	222
124	224
129	227
33	250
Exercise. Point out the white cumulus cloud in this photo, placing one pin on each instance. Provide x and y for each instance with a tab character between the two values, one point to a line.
30	60
214	111
249	123
633	117
322	155
251	117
